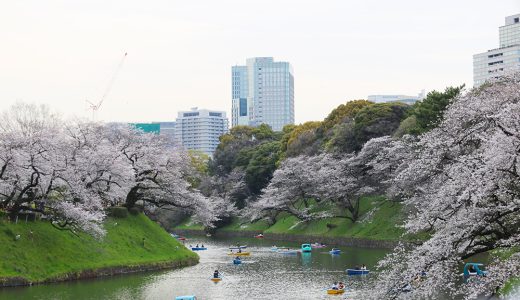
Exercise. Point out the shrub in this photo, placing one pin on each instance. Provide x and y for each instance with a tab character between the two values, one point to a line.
134	210
118	212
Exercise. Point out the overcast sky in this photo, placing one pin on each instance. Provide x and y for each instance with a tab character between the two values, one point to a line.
180	53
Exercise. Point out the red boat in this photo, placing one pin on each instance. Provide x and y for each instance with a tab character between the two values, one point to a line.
181	238
259	236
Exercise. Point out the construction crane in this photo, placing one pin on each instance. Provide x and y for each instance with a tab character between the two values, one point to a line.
96	106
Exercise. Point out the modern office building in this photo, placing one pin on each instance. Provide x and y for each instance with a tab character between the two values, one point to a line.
262	93
502	60
200	129
397	98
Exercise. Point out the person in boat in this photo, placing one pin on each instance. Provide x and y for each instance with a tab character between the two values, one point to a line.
341	285
357	267
237	258
363	267
239	250
202	246
472	269
216	274
334	286
197	246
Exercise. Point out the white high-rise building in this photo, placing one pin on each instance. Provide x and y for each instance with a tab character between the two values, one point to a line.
397	98
505	59
200	129
262	93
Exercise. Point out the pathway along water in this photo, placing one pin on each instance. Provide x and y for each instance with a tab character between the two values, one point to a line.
263	275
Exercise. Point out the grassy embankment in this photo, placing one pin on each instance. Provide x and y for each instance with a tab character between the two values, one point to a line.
378	221
48	253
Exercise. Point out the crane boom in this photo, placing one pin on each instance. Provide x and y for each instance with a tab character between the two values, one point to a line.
95	106
111	82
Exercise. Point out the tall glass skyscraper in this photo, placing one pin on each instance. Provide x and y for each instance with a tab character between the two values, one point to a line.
262	93
505	59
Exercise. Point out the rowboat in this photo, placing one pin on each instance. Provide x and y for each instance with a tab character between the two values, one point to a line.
198	248
240	253
335	292
335	251
318	245
259	236
238	247
216	279
237	261
287	251
357	272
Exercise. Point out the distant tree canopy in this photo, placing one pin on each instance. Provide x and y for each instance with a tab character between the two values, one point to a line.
255	150
371	121
426	114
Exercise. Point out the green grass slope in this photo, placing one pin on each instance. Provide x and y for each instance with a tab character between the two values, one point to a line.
379	220
49	253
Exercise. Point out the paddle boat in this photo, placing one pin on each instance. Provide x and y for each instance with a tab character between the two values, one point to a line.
306	248
198	248
335	292
473	269
186	298
318	245
335	251
352	272
240	253
237	261
259	236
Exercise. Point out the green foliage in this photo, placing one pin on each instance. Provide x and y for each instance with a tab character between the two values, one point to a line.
233	148
261	166
199	160
118	212
303	137
42	252
371	121
347	110
428	112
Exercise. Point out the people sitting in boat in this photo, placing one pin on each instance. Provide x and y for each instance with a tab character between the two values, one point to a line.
239	250
216	274
202	246
363	267
334	286
471	269
237	258
357	267
197	246
341	285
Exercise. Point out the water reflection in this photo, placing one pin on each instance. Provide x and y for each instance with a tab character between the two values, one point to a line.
263	275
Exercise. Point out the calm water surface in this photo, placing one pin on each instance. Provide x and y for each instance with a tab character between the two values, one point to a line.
263	275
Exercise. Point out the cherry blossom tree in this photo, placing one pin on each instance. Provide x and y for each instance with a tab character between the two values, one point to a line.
70	172
462	186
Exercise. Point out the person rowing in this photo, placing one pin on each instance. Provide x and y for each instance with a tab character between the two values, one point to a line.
216	274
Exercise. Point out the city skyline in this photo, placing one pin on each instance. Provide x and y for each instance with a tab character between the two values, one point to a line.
179	53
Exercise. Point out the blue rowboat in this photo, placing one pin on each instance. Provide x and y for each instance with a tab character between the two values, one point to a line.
237	261
357	272
199	248
335	251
